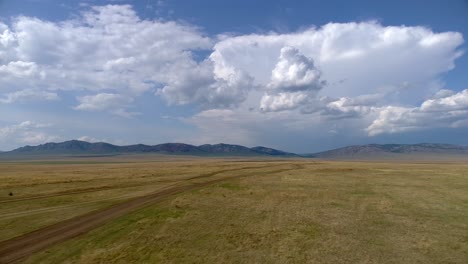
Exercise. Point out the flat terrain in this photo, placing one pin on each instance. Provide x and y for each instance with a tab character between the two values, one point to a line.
193	210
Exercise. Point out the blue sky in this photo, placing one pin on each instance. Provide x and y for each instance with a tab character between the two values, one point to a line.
301	76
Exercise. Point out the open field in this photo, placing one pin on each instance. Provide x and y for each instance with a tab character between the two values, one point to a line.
242	211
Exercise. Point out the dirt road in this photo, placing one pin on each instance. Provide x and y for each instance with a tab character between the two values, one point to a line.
20	247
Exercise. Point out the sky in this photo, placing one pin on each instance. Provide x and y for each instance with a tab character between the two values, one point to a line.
300	76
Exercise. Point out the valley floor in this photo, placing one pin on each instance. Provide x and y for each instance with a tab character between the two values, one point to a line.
240	211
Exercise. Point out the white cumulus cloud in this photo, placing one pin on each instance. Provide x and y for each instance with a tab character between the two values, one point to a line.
113	103
29	95
353	58
447	102
26	132
200	84
106	48
295	72
448	111
295	81
91	139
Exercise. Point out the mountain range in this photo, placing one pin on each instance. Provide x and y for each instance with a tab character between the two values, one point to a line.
77	147
370	151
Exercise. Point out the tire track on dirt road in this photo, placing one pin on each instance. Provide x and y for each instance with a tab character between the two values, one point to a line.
55	208
15	249
106	188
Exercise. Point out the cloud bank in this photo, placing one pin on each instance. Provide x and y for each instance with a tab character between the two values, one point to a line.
363	77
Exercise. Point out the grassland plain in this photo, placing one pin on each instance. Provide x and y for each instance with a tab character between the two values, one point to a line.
39	193
293	211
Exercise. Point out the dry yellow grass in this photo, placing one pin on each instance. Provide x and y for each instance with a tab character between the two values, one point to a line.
46	192
282	212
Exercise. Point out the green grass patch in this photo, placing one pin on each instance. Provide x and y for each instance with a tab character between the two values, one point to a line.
231	186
